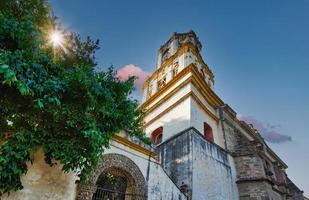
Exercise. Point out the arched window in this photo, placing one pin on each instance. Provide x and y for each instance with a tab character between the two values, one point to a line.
208	132
156	135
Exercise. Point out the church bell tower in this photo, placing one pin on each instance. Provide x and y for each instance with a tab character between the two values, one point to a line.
183	121
179	94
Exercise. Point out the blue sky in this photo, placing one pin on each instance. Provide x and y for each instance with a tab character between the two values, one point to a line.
258	51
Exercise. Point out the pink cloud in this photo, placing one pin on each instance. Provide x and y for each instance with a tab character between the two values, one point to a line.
132	70
267	131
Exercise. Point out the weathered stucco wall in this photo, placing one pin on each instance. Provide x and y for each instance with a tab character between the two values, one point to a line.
201	168
213	176
45	182
176	160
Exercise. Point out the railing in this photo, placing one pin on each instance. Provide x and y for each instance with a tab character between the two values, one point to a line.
105	194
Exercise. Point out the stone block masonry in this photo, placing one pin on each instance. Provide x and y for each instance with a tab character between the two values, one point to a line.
202	169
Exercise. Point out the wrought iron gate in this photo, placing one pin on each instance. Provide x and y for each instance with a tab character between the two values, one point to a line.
105	194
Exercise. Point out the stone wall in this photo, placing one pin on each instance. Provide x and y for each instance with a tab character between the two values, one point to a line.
259	177
252	190
249	167
214	175
176	160
202	169
294	192
252	181
260	190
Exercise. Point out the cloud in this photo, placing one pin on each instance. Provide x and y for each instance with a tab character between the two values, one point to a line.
132	70
267	131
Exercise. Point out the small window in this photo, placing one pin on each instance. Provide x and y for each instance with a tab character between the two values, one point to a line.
156	135
208	134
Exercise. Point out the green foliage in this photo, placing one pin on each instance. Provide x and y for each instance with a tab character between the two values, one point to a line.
55	101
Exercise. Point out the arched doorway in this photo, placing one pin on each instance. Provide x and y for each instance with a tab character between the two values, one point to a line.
116	178
114	184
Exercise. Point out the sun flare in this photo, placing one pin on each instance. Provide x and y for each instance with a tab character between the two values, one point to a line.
56	38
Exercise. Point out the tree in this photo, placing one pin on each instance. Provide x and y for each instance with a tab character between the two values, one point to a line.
55	100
